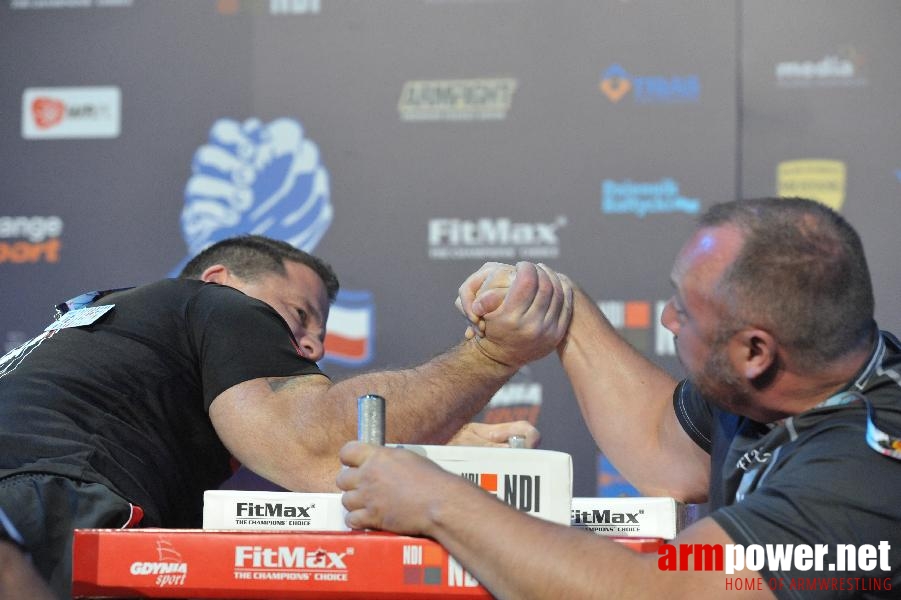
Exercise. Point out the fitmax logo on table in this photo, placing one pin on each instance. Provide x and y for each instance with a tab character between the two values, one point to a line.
291	563
617	84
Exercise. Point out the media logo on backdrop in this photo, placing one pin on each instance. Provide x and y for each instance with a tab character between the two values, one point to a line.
500	238
486	99
645	198
638	322
617	84
71	112
845	68
268	179
823	180
58	4
30	239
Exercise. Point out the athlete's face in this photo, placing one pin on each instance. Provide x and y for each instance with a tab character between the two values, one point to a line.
695	316
299	296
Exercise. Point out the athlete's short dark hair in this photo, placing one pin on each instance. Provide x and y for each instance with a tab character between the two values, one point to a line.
249	256
801	274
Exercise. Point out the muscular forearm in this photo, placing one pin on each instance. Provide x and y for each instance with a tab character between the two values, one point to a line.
627	404
289	430
431	402
517	556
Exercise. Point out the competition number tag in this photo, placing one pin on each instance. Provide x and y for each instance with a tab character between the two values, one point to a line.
79	317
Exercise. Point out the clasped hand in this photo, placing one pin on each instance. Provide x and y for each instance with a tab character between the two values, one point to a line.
518	313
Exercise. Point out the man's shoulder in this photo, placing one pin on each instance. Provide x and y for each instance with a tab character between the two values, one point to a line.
184	289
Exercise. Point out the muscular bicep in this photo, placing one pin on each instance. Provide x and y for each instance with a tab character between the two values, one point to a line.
285	429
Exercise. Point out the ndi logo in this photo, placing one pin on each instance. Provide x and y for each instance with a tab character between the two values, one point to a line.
633	319
644	198
616	83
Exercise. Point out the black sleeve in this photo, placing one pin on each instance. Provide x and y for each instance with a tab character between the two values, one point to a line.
694	414
238	338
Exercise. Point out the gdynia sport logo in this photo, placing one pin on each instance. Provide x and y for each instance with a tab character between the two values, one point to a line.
825	568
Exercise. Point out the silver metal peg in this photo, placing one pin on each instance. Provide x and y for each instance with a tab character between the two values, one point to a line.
371	419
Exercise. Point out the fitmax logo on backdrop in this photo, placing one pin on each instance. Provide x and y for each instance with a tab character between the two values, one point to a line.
617	83
268	179
494	239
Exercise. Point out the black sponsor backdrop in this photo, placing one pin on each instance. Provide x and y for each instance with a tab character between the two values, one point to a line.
338	67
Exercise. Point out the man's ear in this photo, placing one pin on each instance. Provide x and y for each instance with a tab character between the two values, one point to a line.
216	274
752	352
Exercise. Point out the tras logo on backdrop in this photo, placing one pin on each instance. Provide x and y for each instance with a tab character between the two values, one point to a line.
617	84
268	179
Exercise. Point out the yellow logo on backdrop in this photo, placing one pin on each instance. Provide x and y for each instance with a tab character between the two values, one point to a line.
822	180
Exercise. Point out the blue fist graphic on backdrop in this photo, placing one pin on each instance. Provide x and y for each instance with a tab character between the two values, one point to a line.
257	178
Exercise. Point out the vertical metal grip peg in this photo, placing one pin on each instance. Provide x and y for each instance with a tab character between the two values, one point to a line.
371	419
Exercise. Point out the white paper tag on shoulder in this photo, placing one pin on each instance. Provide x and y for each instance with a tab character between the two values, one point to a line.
79	317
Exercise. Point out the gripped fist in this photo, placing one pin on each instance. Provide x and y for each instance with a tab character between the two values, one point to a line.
391	488
516	314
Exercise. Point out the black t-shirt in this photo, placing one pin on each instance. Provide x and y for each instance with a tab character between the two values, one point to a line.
812	479
123	401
